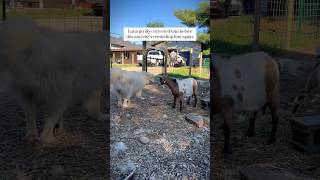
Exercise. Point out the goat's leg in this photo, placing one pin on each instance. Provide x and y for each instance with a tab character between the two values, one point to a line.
92	104
139	94
275	120
119	98
174	102
29	108
188	102
274	106
226	131
195	100
180	103
51	120
251	132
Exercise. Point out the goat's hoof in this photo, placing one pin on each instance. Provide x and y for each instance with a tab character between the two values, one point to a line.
271	141
173	107
48	139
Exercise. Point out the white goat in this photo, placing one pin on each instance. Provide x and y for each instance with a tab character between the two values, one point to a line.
248	82
128	83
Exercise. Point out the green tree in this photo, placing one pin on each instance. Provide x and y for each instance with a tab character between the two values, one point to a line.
199	17
155	24
188	17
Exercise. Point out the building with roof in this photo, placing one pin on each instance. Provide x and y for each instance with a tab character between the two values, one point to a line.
124	52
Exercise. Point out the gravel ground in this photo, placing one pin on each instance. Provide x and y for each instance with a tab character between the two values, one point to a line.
154	141
247	151
81	156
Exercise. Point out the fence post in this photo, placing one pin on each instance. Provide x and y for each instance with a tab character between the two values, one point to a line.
165	63
200	63
190	62
41	4
289	23
4	10
256	27
144	56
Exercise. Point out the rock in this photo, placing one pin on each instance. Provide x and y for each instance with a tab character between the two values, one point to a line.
127	167
141	130
144	140
120	147
197	120
128	115
165	116
267	172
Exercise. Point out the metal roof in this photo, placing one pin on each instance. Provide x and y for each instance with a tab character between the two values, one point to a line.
120	42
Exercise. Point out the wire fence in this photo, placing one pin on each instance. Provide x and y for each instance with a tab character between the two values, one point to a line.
55	16
292	25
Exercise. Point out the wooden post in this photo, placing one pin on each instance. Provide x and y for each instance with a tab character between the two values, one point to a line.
200	64
12	4
190	62
41	4
165	62
4	16
289	23
144	56
132	57
122	57
256	27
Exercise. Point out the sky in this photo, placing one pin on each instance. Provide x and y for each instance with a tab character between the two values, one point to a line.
137	13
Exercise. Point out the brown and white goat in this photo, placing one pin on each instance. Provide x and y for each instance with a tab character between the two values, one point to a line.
181	88
245	83
312	83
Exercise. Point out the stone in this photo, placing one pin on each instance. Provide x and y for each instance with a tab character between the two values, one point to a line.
120	147
197	120
144	140
165	116
267	172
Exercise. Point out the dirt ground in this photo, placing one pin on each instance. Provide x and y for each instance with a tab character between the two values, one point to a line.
247	151
82	157
175	148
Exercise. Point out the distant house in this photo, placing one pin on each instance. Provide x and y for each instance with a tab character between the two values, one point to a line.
124	52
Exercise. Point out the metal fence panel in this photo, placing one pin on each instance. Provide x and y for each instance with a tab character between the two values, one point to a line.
284	25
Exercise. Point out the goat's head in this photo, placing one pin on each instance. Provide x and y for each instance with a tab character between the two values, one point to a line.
163	80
